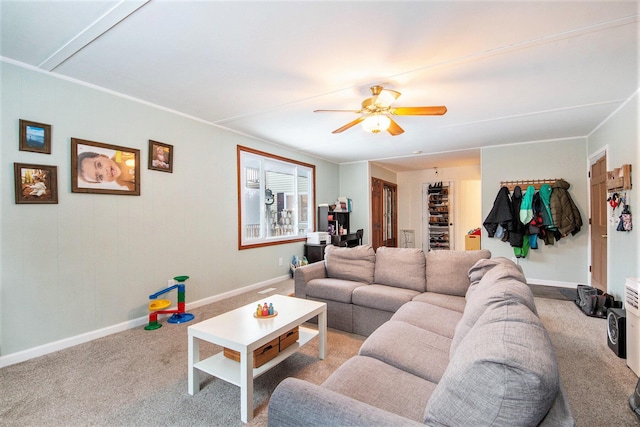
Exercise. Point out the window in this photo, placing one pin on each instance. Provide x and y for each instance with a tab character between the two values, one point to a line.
276	197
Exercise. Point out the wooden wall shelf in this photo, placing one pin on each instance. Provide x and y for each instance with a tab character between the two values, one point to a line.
619	179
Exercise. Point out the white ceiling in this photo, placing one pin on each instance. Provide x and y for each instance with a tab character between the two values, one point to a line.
508	72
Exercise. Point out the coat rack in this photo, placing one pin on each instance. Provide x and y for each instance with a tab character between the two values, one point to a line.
523	184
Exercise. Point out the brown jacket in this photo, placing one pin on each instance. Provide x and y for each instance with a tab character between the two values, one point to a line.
565	214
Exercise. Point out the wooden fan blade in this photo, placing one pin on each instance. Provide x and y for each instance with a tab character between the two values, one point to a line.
394	128
337	111
419	111
349	125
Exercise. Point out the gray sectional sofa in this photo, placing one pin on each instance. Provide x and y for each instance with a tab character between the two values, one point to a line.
467	349
363	288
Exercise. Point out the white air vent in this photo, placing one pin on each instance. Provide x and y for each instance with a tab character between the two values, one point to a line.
631	289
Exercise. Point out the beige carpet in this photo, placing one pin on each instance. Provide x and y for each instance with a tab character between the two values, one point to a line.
597	381
139	378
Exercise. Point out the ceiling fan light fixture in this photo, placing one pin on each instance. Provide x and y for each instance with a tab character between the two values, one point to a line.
376	123
376	111
386	97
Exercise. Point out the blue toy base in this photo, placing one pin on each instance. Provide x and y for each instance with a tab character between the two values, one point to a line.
180	318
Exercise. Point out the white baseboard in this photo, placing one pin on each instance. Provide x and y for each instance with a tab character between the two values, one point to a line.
235	292
24	355
544	282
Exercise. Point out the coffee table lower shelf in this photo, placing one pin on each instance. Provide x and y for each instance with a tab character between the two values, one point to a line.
229	370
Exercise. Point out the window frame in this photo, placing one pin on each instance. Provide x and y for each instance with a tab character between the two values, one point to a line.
274	240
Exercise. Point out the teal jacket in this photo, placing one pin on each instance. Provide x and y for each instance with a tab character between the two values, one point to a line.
545	196
526	207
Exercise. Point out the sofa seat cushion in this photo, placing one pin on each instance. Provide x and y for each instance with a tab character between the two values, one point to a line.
401	267
429	317
502	284
357	263
382	297
332	289
451	302
374	382
447	271
409	348
504	373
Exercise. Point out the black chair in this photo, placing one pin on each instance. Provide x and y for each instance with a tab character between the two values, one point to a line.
337	241
360	233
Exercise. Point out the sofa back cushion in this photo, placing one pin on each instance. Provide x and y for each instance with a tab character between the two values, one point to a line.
504	373
401	268
503	283
447	271
482	267
355	264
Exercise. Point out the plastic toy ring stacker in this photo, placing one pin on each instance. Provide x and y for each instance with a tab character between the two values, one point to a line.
158	306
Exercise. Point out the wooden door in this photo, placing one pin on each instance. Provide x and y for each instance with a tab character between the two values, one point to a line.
384	217
389	215
598	185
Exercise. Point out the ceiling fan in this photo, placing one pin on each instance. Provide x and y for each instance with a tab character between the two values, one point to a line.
377	109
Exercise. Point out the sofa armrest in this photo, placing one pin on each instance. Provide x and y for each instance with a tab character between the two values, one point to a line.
297	403
302	275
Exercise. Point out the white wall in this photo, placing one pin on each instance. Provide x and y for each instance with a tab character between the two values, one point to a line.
467	213
564	263
354	184
619	135
91	261
382	173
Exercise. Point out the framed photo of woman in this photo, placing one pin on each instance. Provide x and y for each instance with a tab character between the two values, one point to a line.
104	168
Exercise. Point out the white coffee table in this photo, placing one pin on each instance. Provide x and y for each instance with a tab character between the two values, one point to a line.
239	330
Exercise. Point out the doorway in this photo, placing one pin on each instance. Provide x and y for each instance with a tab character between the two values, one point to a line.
384	217
598	233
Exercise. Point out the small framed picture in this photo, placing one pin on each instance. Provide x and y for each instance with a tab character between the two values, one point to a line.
104	168
35	183
35	137
160	156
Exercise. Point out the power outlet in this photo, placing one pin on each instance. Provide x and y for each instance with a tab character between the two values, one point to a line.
280	262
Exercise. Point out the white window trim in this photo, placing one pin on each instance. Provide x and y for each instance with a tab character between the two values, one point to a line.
246	242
